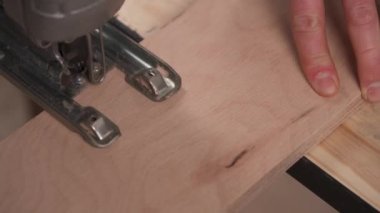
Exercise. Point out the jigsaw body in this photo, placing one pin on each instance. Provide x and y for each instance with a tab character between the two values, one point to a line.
60	20
52	48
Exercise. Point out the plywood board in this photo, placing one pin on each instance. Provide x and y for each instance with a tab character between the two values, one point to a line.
244	114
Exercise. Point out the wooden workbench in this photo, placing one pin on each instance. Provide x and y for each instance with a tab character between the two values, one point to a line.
352	154
143	16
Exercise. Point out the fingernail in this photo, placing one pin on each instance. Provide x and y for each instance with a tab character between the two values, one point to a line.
373	92
325	84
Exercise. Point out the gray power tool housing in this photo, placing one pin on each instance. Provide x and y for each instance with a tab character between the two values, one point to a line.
60	20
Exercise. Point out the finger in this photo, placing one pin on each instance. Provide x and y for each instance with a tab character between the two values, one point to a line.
308	27
363	27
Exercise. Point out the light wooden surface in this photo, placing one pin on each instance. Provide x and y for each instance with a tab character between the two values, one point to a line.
352	154
148	16
244	114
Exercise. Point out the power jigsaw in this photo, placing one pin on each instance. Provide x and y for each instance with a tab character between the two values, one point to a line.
51	49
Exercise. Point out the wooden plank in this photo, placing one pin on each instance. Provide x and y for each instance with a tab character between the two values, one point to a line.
328	188
148	16
352	154
244	114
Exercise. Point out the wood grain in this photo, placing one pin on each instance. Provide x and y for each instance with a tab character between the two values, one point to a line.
244	114
352	154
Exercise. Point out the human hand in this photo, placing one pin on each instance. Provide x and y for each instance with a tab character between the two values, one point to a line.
308	27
